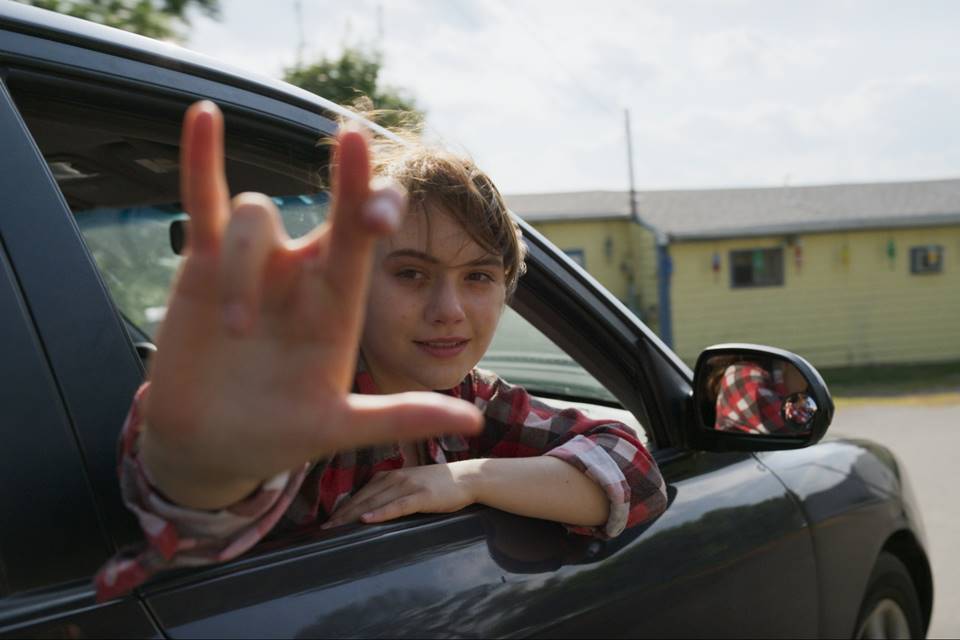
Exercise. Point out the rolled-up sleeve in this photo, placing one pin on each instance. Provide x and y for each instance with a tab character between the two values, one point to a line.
179	537
608	452
624	470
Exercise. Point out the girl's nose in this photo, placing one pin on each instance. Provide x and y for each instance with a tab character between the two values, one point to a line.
445	306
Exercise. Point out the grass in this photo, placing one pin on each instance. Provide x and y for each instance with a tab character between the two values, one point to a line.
939	379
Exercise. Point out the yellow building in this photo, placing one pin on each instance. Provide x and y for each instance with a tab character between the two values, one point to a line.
848	274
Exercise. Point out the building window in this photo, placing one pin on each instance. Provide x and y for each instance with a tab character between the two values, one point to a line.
756	268
577	256
927	259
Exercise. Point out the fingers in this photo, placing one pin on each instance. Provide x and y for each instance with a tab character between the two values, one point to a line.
203	182
398	508
376	484
359	215
406	416
252	235
383	494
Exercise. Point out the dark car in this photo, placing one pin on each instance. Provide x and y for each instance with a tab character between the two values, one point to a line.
764	535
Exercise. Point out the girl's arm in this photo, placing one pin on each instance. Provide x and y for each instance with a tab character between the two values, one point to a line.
538	487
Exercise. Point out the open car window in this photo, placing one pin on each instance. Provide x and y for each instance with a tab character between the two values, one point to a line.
117	165
521	354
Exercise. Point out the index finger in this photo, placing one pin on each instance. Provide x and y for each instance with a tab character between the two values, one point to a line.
203	181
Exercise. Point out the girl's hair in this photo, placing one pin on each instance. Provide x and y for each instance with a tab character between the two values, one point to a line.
438	180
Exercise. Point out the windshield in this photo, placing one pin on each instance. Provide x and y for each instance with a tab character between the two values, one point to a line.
132	248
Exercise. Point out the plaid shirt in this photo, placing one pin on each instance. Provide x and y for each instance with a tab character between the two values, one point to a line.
750	399
516	426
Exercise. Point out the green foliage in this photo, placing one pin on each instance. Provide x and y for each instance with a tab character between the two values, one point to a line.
153	18
353	80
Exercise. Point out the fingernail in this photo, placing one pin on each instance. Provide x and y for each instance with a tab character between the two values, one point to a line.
235	317
383	209
367	515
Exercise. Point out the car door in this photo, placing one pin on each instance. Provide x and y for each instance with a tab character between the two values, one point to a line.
730	555
51	536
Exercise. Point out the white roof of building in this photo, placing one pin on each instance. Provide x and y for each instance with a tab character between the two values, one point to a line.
718	213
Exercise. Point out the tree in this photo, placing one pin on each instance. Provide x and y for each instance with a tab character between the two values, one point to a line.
154	18
354	77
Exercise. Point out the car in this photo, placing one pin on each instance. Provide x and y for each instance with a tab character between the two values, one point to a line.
764	534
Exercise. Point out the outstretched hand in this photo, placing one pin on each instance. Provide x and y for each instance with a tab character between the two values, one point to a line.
256	355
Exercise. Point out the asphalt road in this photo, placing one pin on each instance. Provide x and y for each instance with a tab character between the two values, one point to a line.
924	433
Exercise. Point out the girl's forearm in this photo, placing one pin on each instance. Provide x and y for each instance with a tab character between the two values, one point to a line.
538	487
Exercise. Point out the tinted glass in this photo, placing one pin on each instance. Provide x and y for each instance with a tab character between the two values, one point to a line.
132	248
521	354
118	168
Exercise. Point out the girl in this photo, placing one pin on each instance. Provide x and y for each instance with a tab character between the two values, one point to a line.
247	420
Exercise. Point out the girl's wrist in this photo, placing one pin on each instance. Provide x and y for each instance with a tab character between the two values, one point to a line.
175	481
469	475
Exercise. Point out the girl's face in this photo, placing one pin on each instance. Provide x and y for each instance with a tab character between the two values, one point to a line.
435	299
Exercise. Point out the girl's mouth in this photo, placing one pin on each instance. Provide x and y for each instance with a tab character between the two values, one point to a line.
443	347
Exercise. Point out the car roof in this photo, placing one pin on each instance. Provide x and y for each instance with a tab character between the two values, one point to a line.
57	27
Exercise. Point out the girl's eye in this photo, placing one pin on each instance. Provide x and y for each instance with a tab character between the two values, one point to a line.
410	274
480	276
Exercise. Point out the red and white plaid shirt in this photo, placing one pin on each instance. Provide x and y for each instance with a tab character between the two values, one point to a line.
516	426
750	399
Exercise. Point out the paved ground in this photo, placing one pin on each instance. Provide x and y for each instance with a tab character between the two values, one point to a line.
924	432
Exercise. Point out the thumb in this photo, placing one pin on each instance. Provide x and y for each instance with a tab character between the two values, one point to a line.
406	416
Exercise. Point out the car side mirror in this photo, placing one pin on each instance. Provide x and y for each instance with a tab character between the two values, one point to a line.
755	398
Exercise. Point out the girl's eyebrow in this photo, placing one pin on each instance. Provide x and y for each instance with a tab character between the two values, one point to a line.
412	253
483	261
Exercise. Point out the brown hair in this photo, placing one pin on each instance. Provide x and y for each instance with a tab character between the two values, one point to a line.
438	180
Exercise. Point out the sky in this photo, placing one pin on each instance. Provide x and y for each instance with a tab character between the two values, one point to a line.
725	93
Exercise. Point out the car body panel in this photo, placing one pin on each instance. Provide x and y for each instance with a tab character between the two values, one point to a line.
854	495
71	611
486	573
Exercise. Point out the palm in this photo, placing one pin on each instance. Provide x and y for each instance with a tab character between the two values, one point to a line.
255	357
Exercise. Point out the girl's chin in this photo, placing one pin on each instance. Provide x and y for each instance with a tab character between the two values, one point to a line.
440	380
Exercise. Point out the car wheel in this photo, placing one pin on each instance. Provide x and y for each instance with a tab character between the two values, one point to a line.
891	608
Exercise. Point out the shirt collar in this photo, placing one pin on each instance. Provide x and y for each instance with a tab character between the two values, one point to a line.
363	383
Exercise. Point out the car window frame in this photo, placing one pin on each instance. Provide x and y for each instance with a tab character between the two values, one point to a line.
26	52
574	302
62	602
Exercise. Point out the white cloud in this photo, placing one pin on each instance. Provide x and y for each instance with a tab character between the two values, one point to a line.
732	92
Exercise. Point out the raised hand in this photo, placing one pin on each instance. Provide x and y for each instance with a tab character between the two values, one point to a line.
256	354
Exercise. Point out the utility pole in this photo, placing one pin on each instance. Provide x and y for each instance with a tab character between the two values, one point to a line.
634	214
298	10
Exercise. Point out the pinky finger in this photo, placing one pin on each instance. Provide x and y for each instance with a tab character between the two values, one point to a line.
397	509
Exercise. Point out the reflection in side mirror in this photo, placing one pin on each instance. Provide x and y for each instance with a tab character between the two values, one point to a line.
753	398
759	396
799	409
